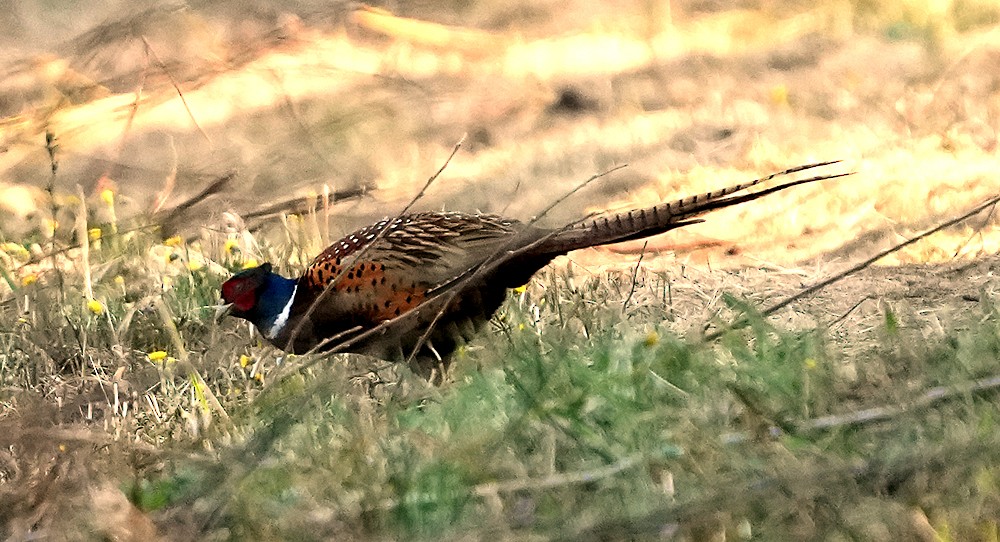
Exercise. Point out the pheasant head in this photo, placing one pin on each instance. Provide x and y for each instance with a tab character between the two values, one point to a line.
262	297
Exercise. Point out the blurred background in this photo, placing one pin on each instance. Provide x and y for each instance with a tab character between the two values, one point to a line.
362	103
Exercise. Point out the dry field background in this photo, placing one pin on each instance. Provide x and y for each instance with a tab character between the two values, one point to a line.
691	96
150	106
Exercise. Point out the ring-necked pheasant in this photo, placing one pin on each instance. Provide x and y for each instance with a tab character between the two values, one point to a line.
417	282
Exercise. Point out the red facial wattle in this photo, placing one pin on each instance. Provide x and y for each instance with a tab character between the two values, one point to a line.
245	301
237	293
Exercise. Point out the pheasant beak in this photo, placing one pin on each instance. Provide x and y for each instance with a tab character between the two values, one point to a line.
223	311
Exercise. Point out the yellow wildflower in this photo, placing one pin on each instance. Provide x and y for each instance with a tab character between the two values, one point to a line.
245	360
194	266
810	363
174	241
250	262
779	95
521	289
94	234
119	280
16	251
108	196
259	377
29	279
95	306
231	246
652	338
157	355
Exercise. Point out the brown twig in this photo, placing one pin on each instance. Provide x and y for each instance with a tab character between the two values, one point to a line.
635	276
52	147
978	231
177	88
866	416
840	276
575	189
301	204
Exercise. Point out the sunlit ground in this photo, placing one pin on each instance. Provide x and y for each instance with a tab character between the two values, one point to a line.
149	108
690	100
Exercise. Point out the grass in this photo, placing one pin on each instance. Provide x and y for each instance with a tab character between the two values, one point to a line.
584	412
575	417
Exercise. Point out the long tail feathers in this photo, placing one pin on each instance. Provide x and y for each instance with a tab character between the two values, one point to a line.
640	223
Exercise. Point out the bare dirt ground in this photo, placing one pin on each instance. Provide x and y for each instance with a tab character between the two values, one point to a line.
691	95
